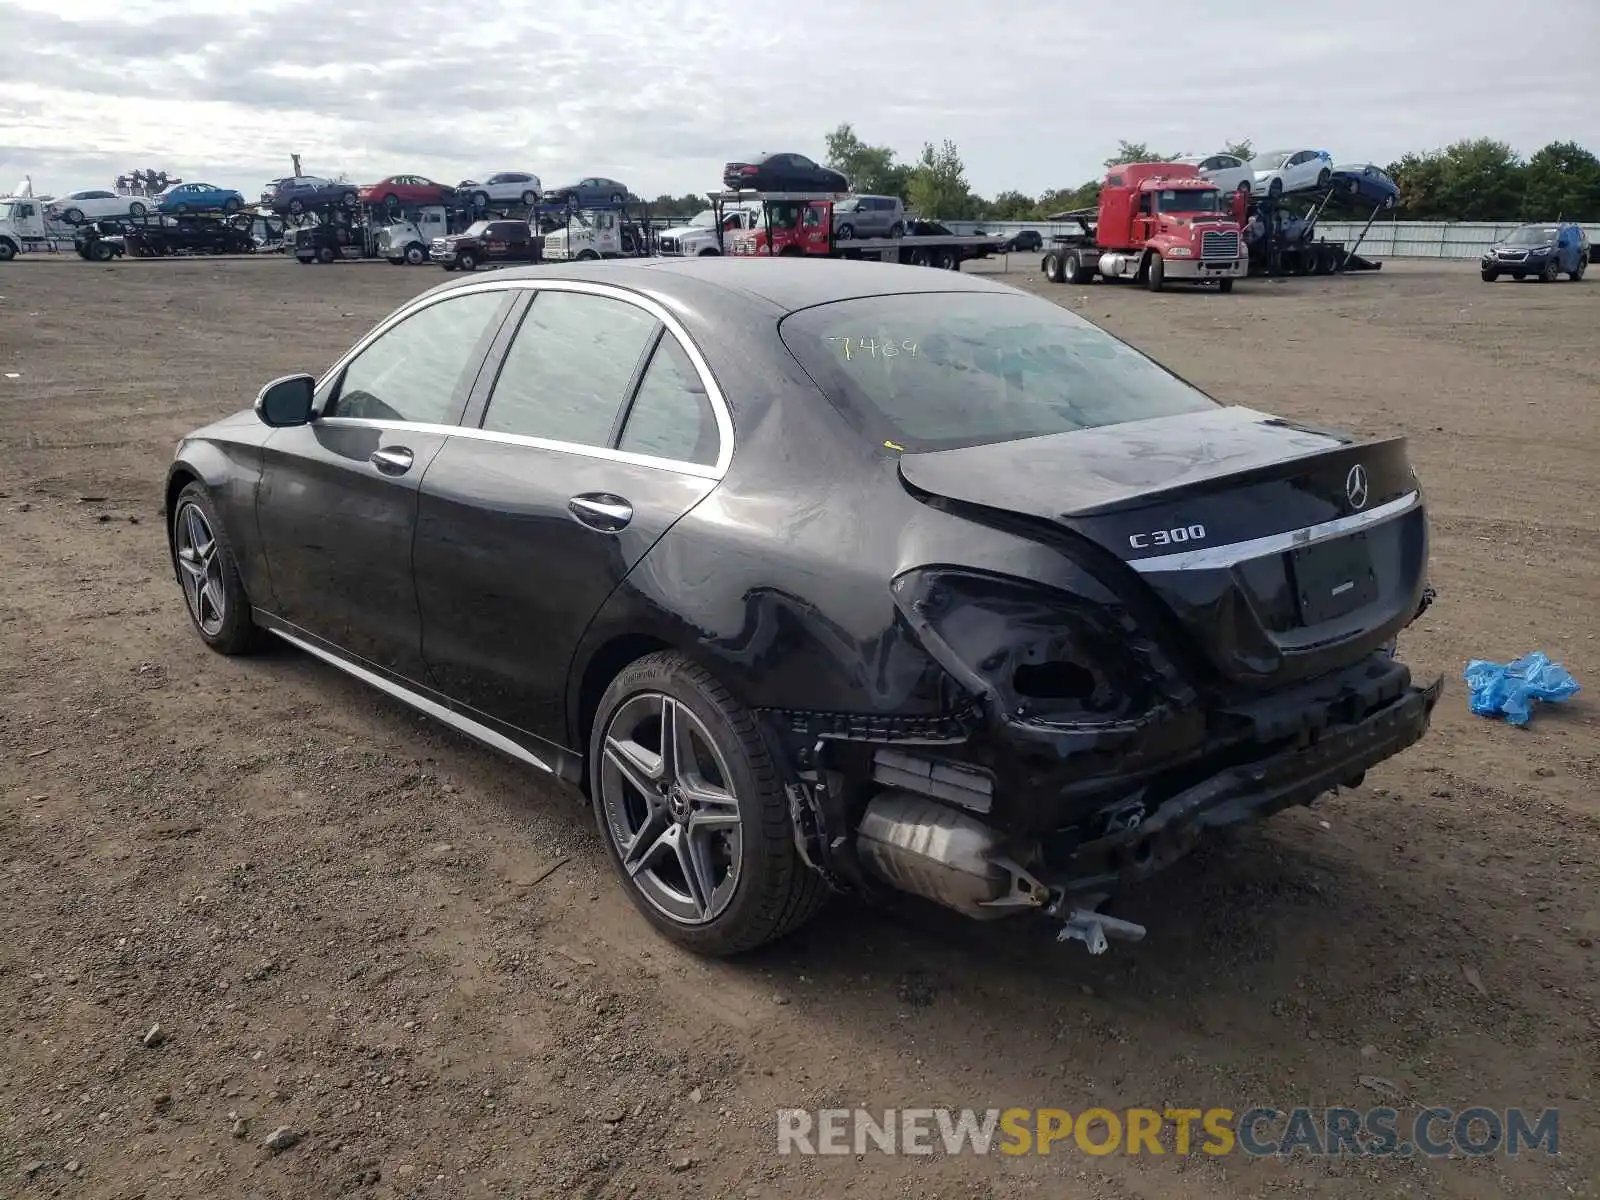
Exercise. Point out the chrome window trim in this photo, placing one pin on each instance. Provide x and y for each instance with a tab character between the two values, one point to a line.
721	413
446	716
1232	553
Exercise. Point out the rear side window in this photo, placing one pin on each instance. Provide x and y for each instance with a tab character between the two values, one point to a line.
671	414
569	367
939	370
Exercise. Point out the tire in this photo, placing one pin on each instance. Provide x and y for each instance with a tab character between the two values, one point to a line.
587	255
1156	273
467	260
8	251
761	890
296	207
713	252
416	254
1052	268
919	257
137	209
1490	276
530	199
73	216
1224	286
1550	272
480	199
845	232
1275	188
395	262
182	210
1323	177
1078	271
208	572
1576	273
448	266
391	201
349	200
948	260
326	254
898	229
617	197
232	204
1244	186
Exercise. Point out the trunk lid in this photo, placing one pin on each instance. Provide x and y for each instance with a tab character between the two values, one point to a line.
1282	551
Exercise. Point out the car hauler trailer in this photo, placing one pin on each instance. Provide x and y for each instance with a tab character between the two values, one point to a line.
801	223
1156	223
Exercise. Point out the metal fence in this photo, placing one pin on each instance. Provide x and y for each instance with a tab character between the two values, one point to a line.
1386	239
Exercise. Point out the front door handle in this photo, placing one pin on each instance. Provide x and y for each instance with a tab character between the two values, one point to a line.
392	460
602	511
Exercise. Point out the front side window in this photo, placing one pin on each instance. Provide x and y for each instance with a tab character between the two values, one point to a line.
418	370
569	367
940	370
671	414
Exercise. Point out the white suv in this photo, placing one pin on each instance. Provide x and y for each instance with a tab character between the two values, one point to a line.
506	187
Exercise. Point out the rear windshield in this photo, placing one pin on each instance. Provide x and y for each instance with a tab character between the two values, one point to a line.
934	371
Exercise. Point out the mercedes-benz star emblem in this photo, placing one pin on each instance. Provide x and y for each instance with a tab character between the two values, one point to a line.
1355	486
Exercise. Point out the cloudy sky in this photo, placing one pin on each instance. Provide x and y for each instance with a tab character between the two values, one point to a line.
659	94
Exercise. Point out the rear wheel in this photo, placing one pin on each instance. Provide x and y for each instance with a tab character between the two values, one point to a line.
617	197
897	230
529	199
209	574
136	209
1053	268
949	260
1323	177
919	257
692	811
845	232
1077	270
1577	272
73	216
232	204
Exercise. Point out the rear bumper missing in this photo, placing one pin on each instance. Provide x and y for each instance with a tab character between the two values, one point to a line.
1330	756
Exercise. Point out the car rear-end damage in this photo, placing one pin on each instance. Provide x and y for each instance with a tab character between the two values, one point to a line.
1145	632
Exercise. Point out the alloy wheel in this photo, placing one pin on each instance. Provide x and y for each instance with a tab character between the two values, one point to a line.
200	566
666	792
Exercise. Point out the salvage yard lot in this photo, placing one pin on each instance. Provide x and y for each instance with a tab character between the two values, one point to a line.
356	925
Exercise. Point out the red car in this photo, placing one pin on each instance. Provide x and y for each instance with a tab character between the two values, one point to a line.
406	189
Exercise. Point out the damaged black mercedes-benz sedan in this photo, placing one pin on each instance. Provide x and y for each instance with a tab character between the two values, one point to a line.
825	575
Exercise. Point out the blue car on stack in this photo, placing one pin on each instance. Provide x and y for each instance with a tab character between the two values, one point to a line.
1364	182
199	197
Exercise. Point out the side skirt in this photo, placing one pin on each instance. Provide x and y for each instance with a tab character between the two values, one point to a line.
514	743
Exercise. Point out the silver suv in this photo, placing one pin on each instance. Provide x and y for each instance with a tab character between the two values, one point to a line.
868	216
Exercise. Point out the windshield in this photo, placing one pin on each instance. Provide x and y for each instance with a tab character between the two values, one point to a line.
1188	200
1532	235
705	218
1272	160
934	371
5	211
476	229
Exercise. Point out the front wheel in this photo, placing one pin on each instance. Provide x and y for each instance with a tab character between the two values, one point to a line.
480	199
1275	189
1156	273
349	199
1224	286
1490	276
206	568
1577	272
396	262
416	255
529	199
326	254
232	204
692	812
1550	271
617	197
467	261
1323	177
948	260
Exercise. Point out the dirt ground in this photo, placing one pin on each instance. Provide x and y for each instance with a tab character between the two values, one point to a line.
354	924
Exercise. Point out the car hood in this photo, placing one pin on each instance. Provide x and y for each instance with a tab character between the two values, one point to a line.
683	231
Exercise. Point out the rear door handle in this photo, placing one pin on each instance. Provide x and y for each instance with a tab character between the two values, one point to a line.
392	460
602	511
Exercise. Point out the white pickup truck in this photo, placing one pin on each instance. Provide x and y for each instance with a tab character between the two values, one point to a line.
405	243
699	236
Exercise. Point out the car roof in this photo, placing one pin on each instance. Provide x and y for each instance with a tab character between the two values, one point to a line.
784	285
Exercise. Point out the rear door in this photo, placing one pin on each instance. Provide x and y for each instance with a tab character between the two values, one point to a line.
601	427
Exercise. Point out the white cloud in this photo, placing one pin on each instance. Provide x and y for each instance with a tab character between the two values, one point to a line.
1035	92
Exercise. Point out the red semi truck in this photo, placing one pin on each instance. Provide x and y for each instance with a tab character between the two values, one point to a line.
1156	223
801	223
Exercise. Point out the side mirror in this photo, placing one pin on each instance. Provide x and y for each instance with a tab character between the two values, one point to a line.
286	401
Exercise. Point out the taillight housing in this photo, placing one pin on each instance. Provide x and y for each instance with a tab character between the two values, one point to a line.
1030	652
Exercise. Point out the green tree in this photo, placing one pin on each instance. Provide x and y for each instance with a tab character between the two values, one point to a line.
1562	180
1011	206
1420	178
1242	149
1481	180
938	187
1067	199
870	169
1132	152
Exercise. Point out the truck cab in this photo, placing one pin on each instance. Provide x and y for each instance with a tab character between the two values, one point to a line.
21	226
790	227
407	242
699	236
587	235
1155	222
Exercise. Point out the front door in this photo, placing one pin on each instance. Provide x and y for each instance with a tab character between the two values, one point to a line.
337	503
598	434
